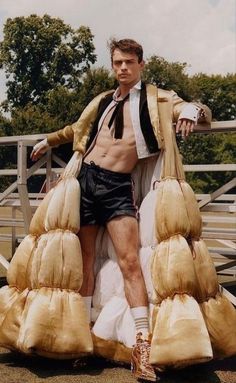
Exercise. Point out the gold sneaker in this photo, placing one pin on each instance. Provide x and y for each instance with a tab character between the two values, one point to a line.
140	366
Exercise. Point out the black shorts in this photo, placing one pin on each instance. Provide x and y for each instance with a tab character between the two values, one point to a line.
105	195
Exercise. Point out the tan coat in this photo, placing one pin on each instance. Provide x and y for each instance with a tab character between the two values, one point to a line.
164	109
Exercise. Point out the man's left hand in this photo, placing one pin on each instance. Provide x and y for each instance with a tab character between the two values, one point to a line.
184	126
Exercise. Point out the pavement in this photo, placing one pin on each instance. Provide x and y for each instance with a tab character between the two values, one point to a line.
17	368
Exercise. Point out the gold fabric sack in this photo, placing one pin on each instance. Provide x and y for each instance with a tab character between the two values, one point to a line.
10	326
17	274
220	319
180	336
171	213
172	268
205	271
57	261
8	295
192	208
55	324
64	206
37	224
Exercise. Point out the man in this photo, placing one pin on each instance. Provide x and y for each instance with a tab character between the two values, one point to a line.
121	133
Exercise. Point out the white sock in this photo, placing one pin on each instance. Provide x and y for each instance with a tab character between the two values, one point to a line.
88	304
140	315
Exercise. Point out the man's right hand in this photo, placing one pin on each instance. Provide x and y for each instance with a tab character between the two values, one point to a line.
39	149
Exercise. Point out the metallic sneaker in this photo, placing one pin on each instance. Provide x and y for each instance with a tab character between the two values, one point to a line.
140	366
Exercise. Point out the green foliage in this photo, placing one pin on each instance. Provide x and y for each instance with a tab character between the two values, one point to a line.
39	54
96	81
168	76
218	92
49	83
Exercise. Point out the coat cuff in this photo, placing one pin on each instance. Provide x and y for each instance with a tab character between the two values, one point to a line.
191	112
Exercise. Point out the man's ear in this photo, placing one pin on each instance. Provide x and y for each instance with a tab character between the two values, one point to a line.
142	64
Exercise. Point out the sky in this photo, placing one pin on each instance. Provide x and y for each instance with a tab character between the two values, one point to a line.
201	33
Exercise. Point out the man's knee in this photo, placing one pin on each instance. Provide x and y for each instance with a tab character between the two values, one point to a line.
130	266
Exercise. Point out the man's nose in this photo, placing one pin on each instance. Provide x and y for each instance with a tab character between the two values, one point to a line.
123	65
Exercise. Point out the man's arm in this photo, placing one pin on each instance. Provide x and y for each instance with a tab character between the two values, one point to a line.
76	132
59	137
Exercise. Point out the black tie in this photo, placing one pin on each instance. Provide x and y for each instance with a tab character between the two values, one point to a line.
118	116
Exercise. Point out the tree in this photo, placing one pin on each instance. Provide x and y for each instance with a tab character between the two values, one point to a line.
168	75
39	54
96	81
218	92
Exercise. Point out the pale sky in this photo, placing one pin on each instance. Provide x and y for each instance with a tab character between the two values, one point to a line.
201	33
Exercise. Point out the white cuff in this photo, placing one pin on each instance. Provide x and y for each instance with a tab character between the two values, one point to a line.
42	145
190	112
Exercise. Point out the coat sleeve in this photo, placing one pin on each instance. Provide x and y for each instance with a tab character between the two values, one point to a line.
78	128
179	104
61	136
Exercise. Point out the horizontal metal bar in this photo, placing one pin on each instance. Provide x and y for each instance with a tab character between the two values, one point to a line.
13	140
215	207
41	171
7	222
219	230
218	219
222	197
8	237
210	168
227	236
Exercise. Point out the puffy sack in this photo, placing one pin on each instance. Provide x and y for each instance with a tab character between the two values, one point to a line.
147	219
57	261
192	208
8	295
171	213
64	206
220	319
37	224
205	271
74	165
55	324
17	274
10	326
172	268
180	336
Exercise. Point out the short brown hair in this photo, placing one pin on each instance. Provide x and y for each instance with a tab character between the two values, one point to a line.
127	46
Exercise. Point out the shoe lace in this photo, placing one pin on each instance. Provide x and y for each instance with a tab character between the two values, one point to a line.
144	353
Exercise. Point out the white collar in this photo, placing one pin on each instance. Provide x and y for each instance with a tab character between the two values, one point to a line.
116	95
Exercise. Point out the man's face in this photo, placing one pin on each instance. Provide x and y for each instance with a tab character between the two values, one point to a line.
126	67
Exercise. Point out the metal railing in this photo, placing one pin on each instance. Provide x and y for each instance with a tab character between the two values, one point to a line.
218	209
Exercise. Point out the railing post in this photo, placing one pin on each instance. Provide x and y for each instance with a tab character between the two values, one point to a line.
22	183
48	169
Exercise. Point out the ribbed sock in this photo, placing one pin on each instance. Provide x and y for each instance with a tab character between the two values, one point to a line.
88	304
140	315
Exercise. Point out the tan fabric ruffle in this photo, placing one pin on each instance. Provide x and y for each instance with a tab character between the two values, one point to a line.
41	311
191	320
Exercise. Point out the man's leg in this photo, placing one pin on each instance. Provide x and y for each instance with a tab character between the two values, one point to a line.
124	233
87	236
